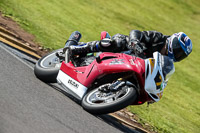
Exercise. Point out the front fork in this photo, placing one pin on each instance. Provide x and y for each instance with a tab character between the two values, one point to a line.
118	84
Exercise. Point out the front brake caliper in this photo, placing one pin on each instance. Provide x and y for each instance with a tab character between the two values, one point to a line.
117	85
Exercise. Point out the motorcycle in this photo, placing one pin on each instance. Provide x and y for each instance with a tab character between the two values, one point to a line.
110	81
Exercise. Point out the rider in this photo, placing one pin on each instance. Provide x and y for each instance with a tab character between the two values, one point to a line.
143	43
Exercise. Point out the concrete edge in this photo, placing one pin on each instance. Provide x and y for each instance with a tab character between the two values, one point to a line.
128	122
10	39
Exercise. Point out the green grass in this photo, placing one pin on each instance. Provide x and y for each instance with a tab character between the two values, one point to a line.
52	21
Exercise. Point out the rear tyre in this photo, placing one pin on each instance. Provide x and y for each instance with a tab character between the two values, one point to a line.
47	67
97	102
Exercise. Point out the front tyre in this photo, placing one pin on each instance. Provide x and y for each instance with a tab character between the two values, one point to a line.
47	67
98	102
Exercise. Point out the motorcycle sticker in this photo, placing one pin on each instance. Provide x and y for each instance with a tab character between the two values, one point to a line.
71	82
116	62
132	62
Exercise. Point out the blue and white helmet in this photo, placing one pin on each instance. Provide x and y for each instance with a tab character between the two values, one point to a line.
179	46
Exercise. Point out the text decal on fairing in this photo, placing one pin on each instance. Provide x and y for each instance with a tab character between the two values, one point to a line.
73	83
132	62
116	62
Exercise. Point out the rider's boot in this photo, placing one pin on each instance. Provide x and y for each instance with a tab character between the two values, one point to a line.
90	47
73	40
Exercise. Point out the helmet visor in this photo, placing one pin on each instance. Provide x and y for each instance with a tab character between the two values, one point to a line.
178	51
179	54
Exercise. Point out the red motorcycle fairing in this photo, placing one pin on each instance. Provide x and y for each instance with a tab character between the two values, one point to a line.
109	63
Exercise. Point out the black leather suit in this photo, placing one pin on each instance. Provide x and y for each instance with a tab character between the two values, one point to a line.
150	41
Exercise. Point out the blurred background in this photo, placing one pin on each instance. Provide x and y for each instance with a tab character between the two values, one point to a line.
52	22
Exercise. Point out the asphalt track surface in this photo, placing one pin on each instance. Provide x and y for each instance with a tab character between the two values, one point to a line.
28	105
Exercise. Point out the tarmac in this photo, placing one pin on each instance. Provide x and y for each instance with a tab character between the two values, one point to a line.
11	40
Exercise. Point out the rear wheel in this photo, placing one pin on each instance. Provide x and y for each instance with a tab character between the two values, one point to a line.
98	102
47	67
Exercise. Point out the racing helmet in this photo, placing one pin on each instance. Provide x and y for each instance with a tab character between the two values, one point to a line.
179	46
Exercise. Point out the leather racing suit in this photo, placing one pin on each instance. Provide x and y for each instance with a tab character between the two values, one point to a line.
143	43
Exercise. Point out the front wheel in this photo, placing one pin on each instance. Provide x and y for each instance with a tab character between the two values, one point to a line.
47	67
98	102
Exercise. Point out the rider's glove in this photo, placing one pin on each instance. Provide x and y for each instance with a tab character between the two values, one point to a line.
135	46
